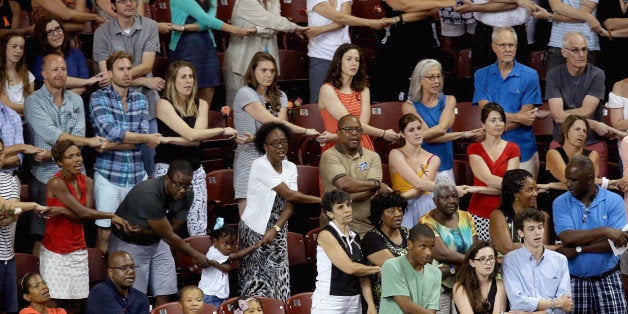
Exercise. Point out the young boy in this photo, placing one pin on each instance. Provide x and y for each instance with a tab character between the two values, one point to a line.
536	279
410	283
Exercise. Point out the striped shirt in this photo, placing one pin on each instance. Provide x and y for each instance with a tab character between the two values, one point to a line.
10	131
47	122
560	29
110	120
7	233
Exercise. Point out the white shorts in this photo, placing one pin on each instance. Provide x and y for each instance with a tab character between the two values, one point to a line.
333	304
455	30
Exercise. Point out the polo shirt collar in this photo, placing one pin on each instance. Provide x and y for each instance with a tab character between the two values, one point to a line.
516	69
598	198
358	154
137	24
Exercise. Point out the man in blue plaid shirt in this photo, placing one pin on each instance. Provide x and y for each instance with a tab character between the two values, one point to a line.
120	115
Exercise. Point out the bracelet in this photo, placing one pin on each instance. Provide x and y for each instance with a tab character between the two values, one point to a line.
183	28
464	135
553	305
401	18
610	35
223	131
384	133
304	131
605	182
277	228
549	17
378	184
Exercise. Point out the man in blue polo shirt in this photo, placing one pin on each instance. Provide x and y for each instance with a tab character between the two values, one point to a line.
584	218
516	88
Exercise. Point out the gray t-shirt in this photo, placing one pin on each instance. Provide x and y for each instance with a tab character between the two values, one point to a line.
148	201
573	89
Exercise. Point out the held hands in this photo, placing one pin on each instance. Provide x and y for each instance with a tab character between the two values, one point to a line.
301	31
121	223
618	237
152	140
42	155
311	132
475	134
269	236
98	79
542	114
564	302
391	136
381	23
166	28
601	128
540	13
201	260
527	117
326	137
243	32
247	138
156	83
466	7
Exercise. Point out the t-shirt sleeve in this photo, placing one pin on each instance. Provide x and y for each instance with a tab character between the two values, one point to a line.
375	170
480	92
152	43
244	97
330	166
372	243
562	215
393	280
474	149
597	88
214	254
513	150
552	87
283	100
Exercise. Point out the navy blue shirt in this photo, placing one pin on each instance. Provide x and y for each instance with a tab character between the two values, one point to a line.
105	299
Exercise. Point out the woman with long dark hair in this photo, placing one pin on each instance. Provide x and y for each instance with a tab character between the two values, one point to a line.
16	81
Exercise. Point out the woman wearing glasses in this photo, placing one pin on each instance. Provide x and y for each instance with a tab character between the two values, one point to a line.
346	92
52	38
69	193
272	191
477	288
437	111
259	101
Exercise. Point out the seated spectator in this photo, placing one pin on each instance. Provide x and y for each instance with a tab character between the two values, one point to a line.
116	294
11	14
519	191
35	291
249	305
618	108
410	284
72	13
346	92
16	81
64	251
342	276
437	111
52	38
477	288
413	170
214	283
535	277
388	239
191	300
489	160
455	233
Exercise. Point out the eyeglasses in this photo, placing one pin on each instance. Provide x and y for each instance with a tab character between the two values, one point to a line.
181	185
485	260
276	144
433	78
126	267
504	46
51	32
578	50
352	129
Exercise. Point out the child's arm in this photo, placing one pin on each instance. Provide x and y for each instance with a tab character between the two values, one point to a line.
242	253
225	267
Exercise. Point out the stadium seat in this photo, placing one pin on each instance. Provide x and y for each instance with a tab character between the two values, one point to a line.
25	263
97	262
299	303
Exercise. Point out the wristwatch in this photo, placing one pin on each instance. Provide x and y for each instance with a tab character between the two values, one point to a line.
277	228
578	249
452	270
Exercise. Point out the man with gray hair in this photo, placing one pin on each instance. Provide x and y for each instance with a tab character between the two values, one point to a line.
516	88
577	88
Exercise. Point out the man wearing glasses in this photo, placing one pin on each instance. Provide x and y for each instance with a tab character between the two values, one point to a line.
354	169
516	88
157	208
586	218
577	87
116	294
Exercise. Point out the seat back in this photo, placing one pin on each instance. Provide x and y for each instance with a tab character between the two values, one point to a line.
220	186
25	263
296	249
97	265
161	11
310	244
201	243
299	303
295	11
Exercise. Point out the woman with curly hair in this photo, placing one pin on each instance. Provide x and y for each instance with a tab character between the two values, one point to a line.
346	92
15	78
477	289
52	38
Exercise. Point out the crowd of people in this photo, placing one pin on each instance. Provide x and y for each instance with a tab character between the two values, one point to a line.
404	248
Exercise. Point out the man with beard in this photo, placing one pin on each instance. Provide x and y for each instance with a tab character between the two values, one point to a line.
120	115
356	170
116	294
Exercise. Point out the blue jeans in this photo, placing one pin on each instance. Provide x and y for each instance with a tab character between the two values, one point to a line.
213	300
8	286
148	154
318	71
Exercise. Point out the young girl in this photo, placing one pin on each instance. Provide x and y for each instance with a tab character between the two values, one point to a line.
191	300
250	305
16	82
215	279
35	291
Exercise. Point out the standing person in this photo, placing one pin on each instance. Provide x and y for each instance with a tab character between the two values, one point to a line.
266	18
51	37
157	208
63	259
16	80
613	16
437	111
116	294
577	88
585	218
413	170
489	160
192	40
258	102
139	37
120	115
52	113
477	288
328	24
73	13
346	92
410	284
342	276
354	169
516	88
535	277
388	239
455	233
183	121
271	193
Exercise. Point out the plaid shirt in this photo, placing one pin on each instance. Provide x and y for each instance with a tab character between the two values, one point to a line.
47	122
109	120
10	131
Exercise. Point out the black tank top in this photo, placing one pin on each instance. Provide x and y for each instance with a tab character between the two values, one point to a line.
166	153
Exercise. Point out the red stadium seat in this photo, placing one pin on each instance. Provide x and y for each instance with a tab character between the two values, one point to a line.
26	263
299	303
296	249
97	265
